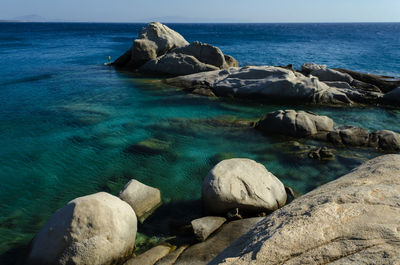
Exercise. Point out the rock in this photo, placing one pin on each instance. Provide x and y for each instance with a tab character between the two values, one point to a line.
360	85
307	68
385	140
95	229
379	81
392	98
142	198
244	184
332	75
205	226
204	252
338	84
323	153
234	214
150	257
176	64
262	83
154	40
292	123
352	220
230	61
349	135
150	146
171	258
205	53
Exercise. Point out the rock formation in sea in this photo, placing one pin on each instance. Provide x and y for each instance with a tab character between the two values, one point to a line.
307	124
160	50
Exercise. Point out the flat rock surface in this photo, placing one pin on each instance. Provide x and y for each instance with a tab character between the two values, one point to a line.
150	257
205	226
204	252
263	82
352	220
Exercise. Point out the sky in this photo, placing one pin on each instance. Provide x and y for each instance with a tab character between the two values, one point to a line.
206	10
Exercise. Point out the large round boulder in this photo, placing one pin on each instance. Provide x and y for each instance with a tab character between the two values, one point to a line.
243	184
95	229
294	123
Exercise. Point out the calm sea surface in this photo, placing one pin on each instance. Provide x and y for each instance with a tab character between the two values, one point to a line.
66	120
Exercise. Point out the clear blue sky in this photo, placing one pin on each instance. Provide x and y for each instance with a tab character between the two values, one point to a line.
207	10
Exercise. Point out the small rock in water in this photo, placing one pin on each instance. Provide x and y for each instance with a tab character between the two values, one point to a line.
323	153
142	198
204	227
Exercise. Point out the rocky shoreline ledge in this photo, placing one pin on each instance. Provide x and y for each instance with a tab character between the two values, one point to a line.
250	218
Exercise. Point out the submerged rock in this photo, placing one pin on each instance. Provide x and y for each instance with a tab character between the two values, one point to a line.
243	184
95	229
205	226
263	83
352	219
150	146
292	123
142	198
204	252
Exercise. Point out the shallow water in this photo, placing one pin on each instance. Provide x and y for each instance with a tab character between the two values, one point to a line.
66	121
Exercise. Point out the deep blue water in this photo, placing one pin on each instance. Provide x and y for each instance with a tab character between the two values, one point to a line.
65	119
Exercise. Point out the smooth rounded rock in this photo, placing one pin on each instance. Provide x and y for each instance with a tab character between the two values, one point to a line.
95	229
244	184
142	198
205	226
332	75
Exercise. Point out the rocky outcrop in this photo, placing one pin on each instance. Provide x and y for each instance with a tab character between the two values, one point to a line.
154	40
262	83
142	198
292	123
354	219
243	184
332	75
307	68
204	252
307	124
205	226
160	50
95	229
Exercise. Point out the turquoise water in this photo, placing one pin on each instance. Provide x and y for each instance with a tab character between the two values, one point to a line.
66	121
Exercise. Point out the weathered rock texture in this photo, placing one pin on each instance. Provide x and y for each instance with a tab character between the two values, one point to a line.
298	124
95	229
263	83
352	220
243	184
160	50
204	252
142	198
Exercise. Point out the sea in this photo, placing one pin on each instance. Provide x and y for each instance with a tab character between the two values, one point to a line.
67	121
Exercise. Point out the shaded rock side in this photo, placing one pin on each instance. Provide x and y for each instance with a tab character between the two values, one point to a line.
204	252
262	83
172	257
352	220
298	124
176	64
205	226
95	229
150	257
392	98
244	184
142	198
